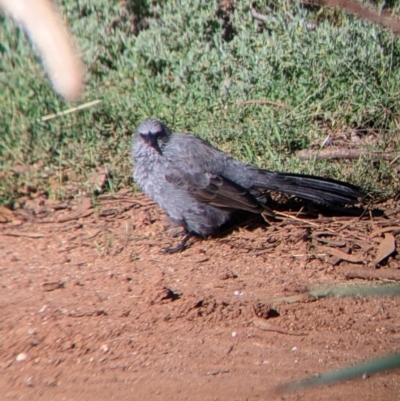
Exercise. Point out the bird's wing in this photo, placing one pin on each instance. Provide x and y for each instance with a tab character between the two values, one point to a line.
216	191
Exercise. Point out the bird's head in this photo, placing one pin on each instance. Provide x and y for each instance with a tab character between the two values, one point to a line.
153	133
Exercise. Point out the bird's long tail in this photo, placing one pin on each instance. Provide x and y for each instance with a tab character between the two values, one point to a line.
316	189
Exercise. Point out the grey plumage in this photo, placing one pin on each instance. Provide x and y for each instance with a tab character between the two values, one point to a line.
199	186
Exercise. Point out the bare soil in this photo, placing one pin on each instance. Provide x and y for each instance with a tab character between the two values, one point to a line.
92	309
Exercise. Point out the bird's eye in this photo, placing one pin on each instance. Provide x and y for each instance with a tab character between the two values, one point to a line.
155	133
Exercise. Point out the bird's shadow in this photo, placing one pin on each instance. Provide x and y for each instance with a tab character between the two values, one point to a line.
297	211
286	209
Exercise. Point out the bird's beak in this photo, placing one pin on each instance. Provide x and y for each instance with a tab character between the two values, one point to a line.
152	141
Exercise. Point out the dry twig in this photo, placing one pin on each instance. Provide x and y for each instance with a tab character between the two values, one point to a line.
365	12
71	110
329	154
262	102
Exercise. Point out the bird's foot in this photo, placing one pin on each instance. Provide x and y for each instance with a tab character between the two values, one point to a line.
180	247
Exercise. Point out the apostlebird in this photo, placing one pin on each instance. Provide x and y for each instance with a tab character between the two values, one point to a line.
199	186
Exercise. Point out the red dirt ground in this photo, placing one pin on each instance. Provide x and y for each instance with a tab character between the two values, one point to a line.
91	309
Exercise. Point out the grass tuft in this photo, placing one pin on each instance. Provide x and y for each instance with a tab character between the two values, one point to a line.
320	71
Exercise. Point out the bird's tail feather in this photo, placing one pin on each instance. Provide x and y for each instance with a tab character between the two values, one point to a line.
316	189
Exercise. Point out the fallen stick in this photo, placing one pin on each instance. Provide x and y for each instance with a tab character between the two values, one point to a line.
373	274
262	103
27	235
382	18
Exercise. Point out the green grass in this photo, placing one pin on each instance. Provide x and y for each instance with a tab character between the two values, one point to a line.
341	76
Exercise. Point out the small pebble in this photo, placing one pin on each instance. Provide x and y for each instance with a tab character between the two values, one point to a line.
23	356
104	348
29	382
42	309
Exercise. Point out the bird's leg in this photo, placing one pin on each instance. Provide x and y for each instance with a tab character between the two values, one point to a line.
267	217
180	247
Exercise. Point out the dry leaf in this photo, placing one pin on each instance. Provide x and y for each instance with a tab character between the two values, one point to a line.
380	231
53	285
6	214
344	256
84	209
386	248
29	168
98	179
319	236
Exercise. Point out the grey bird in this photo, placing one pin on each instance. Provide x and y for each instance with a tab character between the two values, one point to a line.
199	186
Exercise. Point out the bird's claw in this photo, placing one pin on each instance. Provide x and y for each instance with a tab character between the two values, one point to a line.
179	248
172	250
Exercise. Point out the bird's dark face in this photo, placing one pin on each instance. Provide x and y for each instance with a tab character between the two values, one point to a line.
154	133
